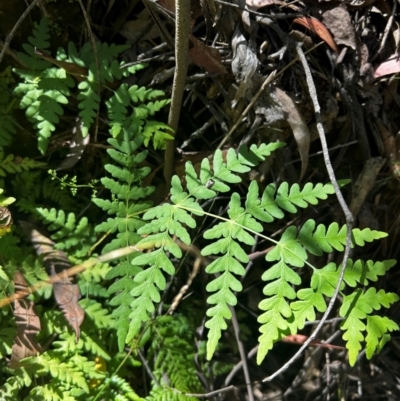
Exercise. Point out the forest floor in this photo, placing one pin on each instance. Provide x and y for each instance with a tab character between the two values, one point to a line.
246	84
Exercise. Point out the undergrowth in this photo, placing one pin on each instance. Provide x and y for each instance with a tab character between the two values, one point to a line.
125	300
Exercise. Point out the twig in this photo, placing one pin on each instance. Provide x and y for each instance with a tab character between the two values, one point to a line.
17	24
242	354
238	366
199	261
211	393
342	202
182	12
74	270
147	368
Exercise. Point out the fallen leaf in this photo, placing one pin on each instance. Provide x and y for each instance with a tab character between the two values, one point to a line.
339	23
28	325
390	66
244	64
56	262
299	127
206	57
319	29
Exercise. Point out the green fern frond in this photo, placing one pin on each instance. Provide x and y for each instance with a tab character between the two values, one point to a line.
13	165
66	231
120	390
158	132
63	372
355	309
39	40
95	311
68	345
49	392
7	126
41	97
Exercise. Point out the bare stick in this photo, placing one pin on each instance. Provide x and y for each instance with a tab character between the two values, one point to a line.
119	253
182	15
12	33
243	355
342	202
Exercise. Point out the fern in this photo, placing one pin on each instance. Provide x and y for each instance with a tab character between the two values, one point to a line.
285	311
172	349
45	90
13	165
7	127
68	234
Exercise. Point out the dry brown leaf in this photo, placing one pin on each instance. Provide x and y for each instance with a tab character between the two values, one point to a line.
206	57
299	127
319	29
390	66
28	325
66	294
339	23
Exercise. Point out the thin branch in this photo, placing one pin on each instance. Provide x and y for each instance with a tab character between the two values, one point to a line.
74	270
238	366
17	24
182	12
342	202
211	393
242	353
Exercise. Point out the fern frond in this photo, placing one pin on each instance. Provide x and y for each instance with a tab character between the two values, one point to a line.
66	231
7	127
13	165
355	309
49	392
100	316
64	372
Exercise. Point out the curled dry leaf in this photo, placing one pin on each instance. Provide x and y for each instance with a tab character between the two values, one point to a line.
244	65
65	293
299	127
206	57
319	29
28	325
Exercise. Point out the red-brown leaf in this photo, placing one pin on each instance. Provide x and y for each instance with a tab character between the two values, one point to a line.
206	57
319	29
